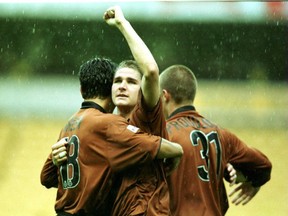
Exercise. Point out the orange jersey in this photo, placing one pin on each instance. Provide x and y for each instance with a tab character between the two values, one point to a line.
101	146
196	186
144	190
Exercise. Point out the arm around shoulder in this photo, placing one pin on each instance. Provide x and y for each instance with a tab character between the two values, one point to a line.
169	149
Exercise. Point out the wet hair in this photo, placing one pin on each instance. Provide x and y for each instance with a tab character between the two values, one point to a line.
180	82
96	78
130	64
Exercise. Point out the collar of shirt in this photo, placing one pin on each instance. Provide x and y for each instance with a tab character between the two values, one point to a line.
182	109
91	104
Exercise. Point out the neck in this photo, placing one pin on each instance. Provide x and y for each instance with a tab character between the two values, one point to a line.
106	104
173	106
124	111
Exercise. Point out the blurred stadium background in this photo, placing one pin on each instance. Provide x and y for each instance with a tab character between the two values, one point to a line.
238	51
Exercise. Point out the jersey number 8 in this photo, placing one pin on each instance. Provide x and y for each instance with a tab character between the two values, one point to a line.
70	171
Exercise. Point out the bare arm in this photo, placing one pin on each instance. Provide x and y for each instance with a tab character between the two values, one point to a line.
169	150
144	58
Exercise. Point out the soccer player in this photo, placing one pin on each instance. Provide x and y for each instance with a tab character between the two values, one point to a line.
196	186
136	93
100	146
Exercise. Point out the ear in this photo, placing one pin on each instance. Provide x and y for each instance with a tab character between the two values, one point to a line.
166	95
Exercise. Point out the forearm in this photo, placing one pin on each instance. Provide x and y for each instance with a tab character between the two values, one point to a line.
169	150
254	167
115	17
49	176
257	177
139	50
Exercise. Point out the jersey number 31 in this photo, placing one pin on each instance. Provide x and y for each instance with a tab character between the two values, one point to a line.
204	141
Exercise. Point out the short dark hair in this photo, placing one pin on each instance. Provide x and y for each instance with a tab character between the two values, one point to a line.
130	64
180	82
96	78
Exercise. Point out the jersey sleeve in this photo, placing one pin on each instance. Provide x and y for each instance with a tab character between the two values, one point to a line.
151	121
250	161
49	176
128	146
49	172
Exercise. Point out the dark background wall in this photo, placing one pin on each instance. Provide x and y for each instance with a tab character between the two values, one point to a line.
37	47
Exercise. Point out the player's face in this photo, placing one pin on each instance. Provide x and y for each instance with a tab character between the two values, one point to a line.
125	88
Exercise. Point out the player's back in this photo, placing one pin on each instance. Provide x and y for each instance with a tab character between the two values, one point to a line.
101	146
196	186
87	175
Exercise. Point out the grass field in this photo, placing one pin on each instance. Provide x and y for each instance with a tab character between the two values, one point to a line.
256	112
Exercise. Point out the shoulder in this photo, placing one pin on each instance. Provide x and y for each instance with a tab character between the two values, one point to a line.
97	120
104	117
113	121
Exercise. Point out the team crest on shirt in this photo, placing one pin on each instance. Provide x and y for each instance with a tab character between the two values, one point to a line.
132	128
